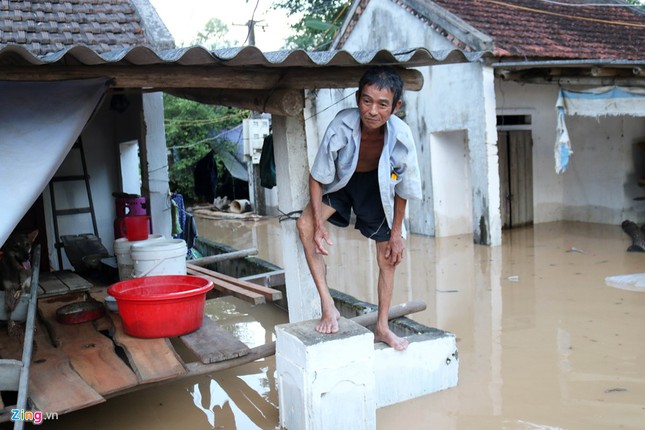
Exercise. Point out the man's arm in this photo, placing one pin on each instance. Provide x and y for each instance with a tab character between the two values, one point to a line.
394	251
320	232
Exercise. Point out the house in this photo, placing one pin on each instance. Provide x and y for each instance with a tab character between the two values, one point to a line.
486	131
112	125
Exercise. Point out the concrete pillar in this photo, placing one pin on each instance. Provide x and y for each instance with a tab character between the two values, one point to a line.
490	222
325	381
154	164
292	179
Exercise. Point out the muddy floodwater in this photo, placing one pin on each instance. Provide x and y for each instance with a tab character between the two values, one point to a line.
543	342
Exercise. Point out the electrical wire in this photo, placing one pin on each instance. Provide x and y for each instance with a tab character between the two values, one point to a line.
564	15
591	4
252	21
330	106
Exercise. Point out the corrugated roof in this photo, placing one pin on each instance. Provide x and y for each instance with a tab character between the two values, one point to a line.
14	55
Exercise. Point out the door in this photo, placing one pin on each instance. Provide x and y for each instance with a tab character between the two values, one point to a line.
515	150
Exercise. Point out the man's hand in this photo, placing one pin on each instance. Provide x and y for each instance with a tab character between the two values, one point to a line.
321	236
394	249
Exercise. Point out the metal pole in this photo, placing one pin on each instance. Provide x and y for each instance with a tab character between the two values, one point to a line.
27	348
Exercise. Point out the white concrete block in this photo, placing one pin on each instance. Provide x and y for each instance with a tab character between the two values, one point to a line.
429	364
325	381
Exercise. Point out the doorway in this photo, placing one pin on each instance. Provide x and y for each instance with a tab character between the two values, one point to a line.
515	150
451	188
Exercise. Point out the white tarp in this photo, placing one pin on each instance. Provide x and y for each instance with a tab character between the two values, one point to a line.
601	101
39	123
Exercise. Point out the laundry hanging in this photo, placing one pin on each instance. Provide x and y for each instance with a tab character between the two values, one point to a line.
595	102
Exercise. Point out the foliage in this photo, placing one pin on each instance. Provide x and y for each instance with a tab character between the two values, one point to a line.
321	20
215	35
190	127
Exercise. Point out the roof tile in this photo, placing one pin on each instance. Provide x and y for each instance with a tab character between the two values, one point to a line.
51	26
535	28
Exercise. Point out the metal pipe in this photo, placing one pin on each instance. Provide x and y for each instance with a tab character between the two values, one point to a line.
28	346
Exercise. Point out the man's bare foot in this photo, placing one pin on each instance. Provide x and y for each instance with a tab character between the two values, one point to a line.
394	341
328	322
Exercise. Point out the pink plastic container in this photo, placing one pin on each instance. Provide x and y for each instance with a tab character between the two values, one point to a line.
161	306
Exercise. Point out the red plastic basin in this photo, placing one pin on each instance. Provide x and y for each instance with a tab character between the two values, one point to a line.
162	305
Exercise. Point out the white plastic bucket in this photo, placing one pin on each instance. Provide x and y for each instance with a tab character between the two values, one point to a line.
159	257
124	261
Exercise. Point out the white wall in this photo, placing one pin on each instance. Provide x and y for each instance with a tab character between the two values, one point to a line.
454	98
539	102
600	183
101	139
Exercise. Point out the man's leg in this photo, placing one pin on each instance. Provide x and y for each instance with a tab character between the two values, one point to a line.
305	224
382	332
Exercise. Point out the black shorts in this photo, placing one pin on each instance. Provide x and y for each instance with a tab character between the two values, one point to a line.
363	196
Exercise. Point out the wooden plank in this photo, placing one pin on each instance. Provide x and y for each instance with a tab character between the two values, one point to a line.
51	284
53	385
151	359
230	289
268	293
73	281
168	76
91	354
212	343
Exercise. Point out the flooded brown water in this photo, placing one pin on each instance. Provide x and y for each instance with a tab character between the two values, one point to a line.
543	342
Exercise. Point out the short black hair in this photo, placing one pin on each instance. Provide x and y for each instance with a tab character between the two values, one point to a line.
383	77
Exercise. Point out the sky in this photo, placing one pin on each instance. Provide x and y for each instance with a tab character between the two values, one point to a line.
185	18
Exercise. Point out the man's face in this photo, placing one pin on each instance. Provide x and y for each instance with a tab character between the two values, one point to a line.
375	106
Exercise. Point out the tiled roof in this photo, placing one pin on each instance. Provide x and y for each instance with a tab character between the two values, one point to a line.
49	26
537	28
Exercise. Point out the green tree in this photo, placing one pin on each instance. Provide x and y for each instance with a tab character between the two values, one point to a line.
321	20
214	36
190	127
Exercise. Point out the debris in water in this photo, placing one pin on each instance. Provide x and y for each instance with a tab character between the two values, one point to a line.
615	390
574	249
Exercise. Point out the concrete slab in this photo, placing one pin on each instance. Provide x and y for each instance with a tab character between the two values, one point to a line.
325	381
429	364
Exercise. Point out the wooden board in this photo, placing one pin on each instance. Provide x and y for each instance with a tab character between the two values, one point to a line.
91	354
63	282
51	284
212	343
230	289
53	385
72	280
151	359
268	293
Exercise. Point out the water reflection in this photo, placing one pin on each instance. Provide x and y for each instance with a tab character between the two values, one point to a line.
543	342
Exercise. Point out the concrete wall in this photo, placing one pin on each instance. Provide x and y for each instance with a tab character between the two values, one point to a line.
101	138
455	98
600	183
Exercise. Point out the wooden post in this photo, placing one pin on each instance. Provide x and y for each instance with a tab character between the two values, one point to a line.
292	173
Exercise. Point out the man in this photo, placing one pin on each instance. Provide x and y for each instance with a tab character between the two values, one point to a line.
367	162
